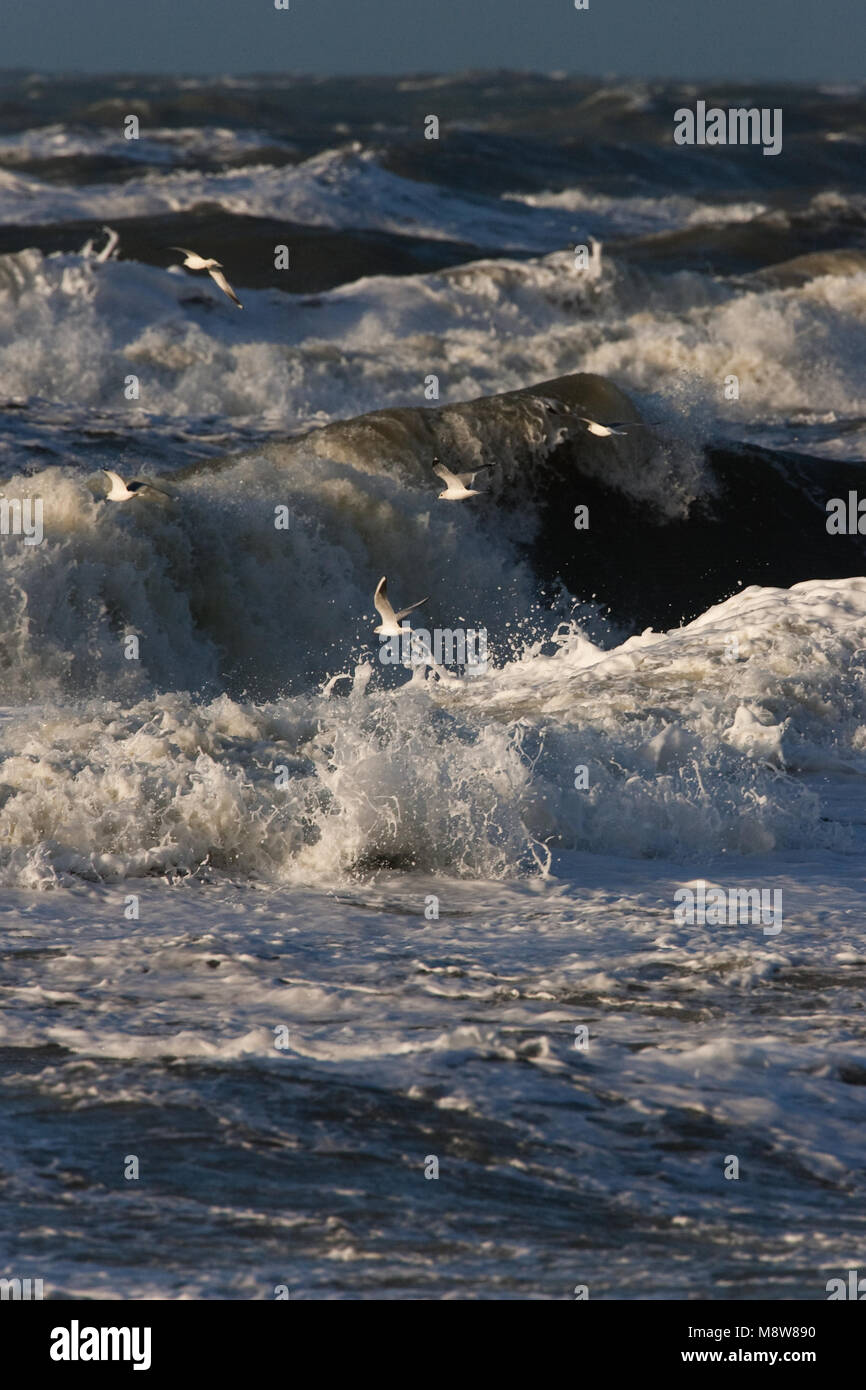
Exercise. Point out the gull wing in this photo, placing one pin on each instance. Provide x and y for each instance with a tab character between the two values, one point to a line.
110	246
140	483
467	479
405	611
184	250
219	279
381	603
449	479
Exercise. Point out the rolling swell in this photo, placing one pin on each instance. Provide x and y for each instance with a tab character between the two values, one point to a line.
676	525
223	601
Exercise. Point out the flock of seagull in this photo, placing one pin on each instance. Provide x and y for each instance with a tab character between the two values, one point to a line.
458	486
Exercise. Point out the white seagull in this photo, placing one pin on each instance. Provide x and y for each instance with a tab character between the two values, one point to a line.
594	266
214	269
390	624
108	250
121	491
457	485
615	427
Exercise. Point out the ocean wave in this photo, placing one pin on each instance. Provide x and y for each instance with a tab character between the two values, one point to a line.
685	752
344	188
482	327
72	145
636	216
693	739
351	187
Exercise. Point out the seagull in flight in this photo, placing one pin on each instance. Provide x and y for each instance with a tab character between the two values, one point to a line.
390	624
457	485
214	268
615	427
122	492
108	250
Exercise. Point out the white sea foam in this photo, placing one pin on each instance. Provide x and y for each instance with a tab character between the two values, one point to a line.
639	216
166	145
487	326
337	188
688	753
346	188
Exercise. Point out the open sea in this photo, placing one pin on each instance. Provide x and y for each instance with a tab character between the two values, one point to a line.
327	975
